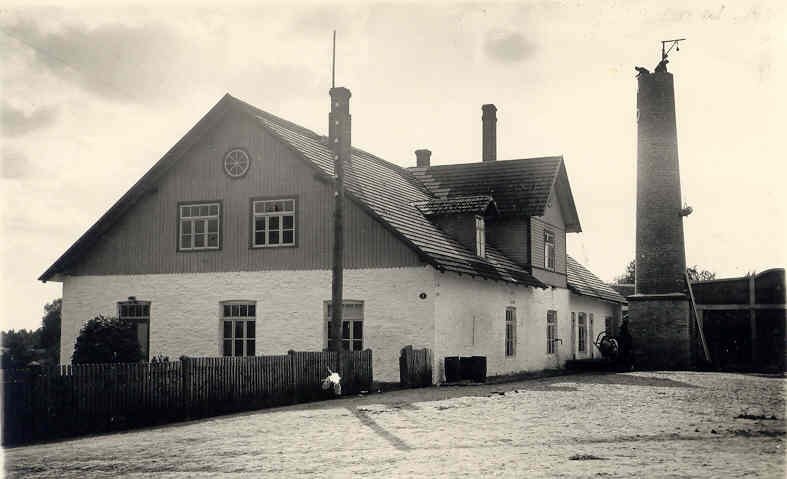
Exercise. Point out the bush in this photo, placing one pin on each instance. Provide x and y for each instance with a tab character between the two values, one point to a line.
107	340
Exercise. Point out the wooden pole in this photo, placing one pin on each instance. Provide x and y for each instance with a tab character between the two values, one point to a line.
340	143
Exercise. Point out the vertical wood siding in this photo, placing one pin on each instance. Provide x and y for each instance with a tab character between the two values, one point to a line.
552	220
145	239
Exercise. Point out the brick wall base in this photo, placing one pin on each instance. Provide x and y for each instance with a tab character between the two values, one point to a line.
661	331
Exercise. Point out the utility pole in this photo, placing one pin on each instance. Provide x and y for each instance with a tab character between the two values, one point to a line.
339	137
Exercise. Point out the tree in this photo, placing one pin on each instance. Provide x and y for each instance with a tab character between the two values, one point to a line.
628	276
697	274
694	272
50	331
107	340
20	348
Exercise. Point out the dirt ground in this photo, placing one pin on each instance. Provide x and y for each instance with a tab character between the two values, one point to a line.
661	424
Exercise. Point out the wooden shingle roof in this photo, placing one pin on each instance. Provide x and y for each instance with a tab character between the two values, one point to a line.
460	204
582	281
519	187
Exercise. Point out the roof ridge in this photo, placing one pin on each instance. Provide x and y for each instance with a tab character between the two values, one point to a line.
317	136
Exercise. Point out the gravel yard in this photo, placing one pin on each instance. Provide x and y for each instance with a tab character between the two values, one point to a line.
660	424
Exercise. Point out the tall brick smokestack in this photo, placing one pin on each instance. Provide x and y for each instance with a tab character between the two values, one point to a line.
489	138
660	251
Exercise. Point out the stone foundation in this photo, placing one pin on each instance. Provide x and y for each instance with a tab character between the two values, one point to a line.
661	331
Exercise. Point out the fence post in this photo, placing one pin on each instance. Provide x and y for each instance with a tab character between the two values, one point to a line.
185	380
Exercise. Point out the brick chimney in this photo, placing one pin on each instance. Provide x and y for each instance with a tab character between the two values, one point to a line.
661	258
489	138
422	158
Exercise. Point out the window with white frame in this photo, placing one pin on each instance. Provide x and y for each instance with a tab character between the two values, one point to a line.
199	226
549	250
480	236
274	223
582	332
138	313
551	331
510	331
352	325
238	328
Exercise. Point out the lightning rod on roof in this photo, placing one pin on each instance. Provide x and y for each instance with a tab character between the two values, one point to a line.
333	62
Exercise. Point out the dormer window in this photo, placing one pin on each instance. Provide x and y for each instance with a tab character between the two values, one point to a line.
480	237
549	250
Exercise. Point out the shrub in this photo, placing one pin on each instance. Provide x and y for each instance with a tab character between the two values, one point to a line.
107	340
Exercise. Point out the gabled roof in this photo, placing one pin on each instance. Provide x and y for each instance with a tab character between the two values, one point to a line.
460	204
520	187
582	281
386	191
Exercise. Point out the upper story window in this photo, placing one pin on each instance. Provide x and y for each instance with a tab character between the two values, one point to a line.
480	236
199	226
274	223
549	250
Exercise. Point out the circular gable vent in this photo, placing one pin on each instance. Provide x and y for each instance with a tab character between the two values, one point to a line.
236	162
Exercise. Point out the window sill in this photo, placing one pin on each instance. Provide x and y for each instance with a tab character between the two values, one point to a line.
267	246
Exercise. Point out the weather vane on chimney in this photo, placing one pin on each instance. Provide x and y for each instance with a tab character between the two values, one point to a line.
674	43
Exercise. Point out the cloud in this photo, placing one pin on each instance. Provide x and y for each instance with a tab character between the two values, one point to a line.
507	47
14	122
15	164
116	61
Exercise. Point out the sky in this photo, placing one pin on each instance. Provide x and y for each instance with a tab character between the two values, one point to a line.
92	96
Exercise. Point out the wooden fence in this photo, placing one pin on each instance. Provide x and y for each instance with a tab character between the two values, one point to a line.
415	367
62	401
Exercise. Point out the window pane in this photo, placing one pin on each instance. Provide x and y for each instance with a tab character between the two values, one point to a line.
243	310
199	241
259	224
204	210
227	310
250	347
357	345
199	227
239	329
273	237
124	310
213	240
214	209
258	208
287	221
227	348
250	329
289	205
288	237
238	347
185	242
259	238
213	226
273	222
345	329
270	207
234	311
227	329
185	227
346	345
357	329
185	211
146	310
252	310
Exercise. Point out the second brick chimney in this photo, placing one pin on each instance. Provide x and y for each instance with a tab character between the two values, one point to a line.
489	138
422	158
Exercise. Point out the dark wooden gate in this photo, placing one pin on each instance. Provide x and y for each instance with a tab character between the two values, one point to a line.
415	367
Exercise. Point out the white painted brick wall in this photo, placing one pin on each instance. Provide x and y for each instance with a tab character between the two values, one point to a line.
461	300
290	314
